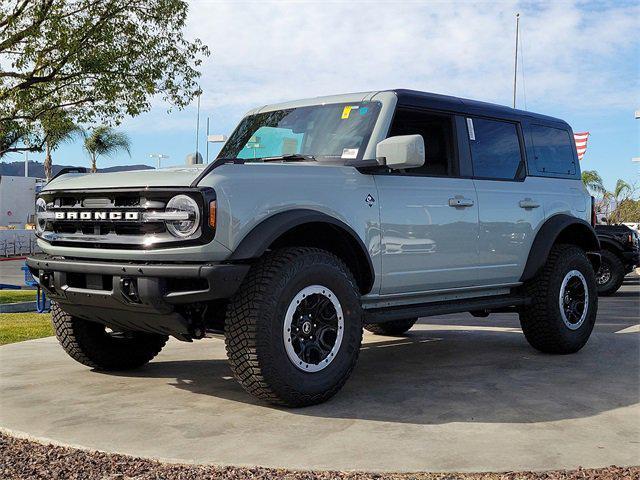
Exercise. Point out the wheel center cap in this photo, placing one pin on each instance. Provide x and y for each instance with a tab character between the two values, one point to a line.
306	328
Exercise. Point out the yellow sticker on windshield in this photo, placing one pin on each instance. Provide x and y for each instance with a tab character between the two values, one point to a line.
346	111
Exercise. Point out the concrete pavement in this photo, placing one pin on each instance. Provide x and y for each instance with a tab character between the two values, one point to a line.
456	394
10	272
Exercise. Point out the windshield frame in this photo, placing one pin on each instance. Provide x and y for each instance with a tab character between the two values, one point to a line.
376	104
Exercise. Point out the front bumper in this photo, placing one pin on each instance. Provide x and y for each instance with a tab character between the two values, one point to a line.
631	259
160	298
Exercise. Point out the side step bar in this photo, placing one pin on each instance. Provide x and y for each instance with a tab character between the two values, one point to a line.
500	303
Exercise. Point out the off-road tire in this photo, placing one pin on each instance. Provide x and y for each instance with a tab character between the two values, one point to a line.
89	343
541	319
394	328
611	261
255	322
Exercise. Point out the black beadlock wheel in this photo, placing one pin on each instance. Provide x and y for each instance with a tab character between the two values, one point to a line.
94	345
393	328
564	302
611	273
294	328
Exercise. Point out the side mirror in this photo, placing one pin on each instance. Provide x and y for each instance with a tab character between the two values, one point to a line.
403	151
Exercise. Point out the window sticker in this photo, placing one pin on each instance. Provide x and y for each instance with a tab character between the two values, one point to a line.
472	133
346	111
349	153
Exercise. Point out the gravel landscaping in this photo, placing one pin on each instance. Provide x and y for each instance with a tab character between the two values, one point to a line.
24	459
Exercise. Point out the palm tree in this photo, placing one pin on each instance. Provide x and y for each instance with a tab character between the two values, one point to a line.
619	191
593	181
105	141
58	130
621	187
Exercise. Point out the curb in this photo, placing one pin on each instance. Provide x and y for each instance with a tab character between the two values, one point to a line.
19	307
8	259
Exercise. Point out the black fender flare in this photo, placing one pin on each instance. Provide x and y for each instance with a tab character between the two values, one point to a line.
258	240
567	229
610	244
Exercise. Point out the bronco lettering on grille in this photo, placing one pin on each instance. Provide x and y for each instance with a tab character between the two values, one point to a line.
73	215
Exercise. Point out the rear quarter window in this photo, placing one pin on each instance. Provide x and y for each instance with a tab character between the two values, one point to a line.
553	151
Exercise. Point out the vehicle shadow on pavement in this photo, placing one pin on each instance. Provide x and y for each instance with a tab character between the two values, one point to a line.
443	376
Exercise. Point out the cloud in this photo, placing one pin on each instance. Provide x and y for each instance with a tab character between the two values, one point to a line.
574	53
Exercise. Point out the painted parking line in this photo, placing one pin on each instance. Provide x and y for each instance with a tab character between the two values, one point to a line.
631	329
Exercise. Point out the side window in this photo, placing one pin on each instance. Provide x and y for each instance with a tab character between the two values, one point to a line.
437	133
495	149
553	150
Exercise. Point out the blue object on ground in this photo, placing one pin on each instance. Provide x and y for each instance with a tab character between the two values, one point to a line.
29	281
41	298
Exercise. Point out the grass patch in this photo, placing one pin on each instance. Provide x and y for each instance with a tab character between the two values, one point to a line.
13	296
17	327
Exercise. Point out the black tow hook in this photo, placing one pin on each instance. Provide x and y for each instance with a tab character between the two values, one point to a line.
129	288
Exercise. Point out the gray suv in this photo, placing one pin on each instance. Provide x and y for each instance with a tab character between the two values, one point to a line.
319	218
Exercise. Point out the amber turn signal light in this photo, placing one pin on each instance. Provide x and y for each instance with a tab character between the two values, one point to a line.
212	214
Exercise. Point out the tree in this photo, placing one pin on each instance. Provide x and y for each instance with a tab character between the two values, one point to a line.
104	141
94	60
628	211
623	203
58	128
593	181
622	187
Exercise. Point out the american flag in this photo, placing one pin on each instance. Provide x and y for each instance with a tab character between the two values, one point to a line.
581	143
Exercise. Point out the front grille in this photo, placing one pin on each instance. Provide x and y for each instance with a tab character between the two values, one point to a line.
100	229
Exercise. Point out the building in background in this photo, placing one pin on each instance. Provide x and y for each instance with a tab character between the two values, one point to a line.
17	200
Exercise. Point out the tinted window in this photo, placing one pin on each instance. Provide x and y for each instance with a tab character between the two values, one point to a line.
553	149
495	149
437	133
336	132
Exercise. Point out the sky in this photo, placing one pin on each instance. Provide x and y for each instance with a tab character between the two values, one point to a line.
580	61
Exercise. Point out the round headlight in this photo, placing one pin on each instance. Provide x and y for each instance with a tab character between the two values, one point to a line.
187	227
41	209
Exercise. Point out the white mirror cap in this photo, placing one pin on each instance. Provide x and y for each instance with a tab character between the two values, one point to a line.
402	151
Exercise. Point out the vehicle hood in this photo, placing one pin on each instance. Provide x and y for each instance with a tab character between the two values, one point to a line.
165	177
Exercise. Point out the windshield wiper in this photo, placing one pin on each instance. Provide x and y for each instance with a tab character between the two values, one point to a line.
294	157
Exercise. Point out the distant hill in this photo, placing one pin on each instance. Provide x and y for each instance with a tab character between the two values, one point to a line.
36	169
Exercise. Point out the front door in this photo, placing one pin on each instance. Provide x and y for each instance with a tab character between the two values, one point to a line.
427	243
428	215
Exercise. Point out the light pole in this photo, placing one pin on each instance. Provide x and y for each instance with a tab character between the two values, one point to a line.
637	159
214	139
159	156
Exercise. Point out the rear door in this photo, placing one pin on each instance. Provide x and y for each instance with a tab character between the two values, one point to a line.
429	215
510	203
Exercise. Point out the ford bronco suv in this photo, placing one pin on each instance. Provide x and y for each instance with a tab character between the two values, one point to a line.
620	254
319	218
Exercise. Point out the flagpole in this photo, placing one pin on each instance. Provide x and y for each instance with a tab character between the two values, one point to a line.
515	63
197	126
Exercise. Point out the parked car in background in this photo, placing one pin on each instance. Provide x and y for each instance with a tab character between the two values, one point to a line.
620	254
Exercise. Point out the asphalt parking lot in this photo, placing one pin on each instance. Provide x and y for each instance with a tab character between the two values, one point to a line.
458	393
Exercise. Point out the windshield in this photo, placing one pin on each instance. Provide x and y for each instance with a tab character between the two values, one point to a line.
337	131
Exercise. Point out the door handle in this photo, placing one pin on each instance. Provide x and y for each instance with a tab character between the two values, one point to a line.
459	201
528	203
